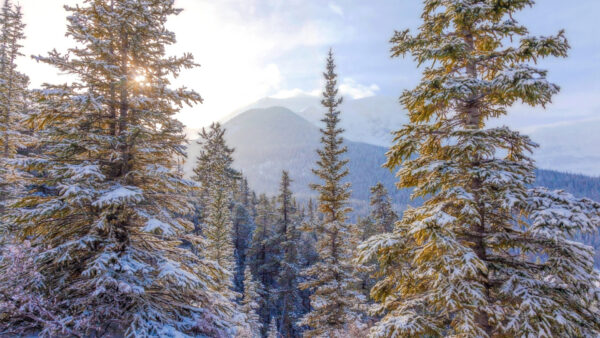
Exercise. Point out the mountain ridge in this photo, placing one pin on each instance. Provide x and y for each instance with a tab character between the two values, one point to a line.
269	140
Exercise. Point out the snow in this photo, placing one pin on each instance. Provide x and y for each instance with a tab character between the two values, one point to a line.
154	225
118	196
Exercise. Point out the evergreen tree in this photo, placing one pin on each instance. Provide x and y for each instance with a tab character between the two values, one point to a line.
290	300
213	167
307	251
14	104
217	230
263	259
243	226
217	184
272	333
382	211
107	228
332	277
483	256
250	304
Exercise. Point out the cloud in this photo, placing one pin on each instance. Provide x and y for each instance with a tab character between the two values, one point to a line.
336	9
288	93
356	90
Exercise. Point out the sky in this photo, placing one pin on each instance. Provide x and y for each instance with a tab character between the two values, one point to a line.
250	49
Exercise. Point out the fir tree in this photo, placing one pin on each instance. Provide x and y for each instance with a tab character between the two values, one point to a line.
290	300
250	303
332	277
107	228
217	230
14	104
382	210
13	84
217	181
272	332
483	256
243	226
213	164
263	258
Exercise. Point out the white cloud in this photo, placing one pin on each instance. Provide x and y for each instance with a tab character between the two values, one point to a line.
288	93
336	9
348	87
356	90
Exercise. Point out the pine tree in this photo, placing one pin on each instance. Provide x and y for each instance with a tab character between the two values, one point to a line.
290	300
250	304
484	256
272	333
381	219
107	228
217	230
243	226
14	104
214	163
331	278
307	251
382	210
263	258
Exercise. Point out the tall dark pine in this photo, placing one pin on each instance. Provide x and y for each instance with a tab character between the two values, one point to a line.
332	277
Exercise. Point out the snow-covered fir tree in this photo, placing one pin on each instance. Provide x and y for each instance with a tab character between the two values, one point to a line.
307	250
272	332
332	278
289	294
214	152
484	256
382	211
381	219
217	181
250	303
243	226
263	259
107	228
14	104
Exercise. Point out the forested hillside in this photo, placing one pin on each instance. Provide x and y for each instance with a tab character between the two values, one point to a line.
269	140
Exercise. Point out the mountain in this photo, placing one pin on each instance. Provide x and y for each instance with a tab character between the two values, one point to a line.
572	147
369	120
269	140
564	146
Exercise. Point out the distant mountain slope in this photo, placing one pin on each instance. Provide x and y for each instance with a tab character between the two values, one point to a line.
573	147
570	147
273	139
368	120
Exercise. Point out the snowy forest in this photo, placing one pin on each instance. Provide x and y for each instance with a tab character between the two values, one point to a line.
103	233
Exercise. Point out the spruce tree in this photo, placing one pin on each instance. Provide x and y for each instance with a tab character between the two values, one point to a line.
289	295
382	210
243	226
484	256
217	181
107	228
14	105
272	332
332	277
263	259
250	303
213	164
